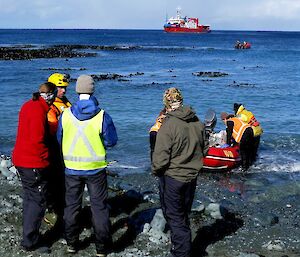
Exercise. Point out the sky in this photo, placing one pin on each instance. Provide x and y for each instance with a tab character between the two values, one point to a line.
278	15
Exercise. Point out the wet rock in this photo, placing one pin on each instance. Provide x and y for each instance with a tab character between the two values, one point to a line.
98	47
9	53
265	219
158	222
150	197
242	84
6	167
156	228
252	67
199	208
159	84
214	210
113	76
62	69
247	255
210	74
274	245
4	170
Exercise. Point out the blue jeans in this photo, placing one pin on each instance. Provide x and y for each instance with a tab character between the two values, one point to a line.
176	201
97	188
34	185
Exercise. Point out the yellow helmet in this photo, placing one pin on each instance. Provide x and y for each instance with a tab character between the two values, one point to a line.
60	80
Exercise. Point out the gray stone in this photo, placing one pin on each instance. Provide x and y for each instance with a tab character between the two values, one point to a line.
247	255
199	208
265	219
158	222
274	245
213	209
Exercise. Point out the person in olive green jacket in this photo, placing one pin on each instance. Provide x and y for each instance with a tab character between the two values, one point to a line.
177	159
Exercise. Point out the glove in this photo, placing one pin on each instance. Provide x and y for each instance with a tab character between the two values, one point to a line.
224	146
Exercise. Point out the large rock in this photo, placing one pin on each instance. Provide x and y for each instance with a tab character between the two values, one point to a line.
156	228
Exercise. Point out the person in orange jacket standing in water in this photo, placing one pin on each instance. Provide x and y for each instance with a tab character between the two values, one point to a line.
240	132
248	117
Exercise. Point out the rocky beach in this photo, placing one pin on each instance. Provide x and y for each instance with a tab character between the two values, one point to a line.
234	214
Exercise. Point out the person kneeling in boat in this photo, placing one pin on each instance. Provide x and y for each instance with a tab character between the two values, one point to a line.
242	133
238	44
248	117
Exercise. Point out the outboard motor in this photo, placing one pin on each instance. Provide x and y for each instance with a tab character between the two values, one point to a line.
210	122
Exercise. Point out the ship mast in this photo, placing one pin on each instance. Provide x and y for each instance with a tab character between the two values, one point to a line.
178	15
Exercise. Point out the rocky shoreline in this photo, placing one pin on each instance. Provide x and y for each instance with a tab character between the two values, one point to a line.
233	214
29	52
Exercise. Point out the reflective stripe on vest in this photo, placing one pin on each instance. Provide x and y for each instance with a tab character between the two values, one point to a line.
238	129
81	144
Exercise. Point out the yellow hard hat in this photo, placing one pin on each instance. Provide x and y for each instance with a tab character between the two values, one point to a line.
60	80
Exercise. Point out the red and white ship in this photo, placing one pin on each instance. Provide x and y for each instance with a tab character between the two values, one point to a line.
181	24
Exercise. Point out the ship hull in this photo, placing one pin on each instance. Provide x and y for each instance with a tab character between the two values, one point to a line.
186	30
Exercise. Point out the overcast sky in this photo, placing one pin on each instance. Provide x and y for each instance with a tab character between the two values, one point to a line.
150	14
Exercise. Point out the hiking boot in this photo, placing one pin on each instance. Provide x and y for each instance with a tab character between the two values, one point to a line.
50	218
102	249
71	249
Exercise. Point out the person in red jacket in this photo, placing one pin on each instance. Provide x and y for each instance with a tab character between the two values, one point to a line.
31	157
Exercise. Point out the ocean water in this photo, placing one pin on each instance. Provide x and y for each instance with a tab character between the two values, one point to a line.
268	77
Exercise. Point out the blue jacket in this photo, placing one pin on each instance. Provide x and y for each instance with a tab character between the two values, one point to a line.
84	110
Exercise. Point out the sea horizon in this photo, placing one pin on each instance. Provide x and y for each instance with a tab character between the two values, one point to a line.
141	29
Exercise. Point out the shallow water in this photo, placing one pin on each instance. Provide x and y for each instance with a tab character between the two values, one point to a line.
268	75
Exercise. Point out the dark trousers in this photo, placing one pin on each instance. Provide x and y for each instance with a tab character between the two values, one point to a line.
56	190
176	201
247	148
56	182
34	185
97	188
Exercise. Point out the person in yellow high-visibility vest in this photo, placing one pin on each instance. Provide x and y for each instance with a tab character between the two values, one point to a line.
249	118
84	132
242	134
